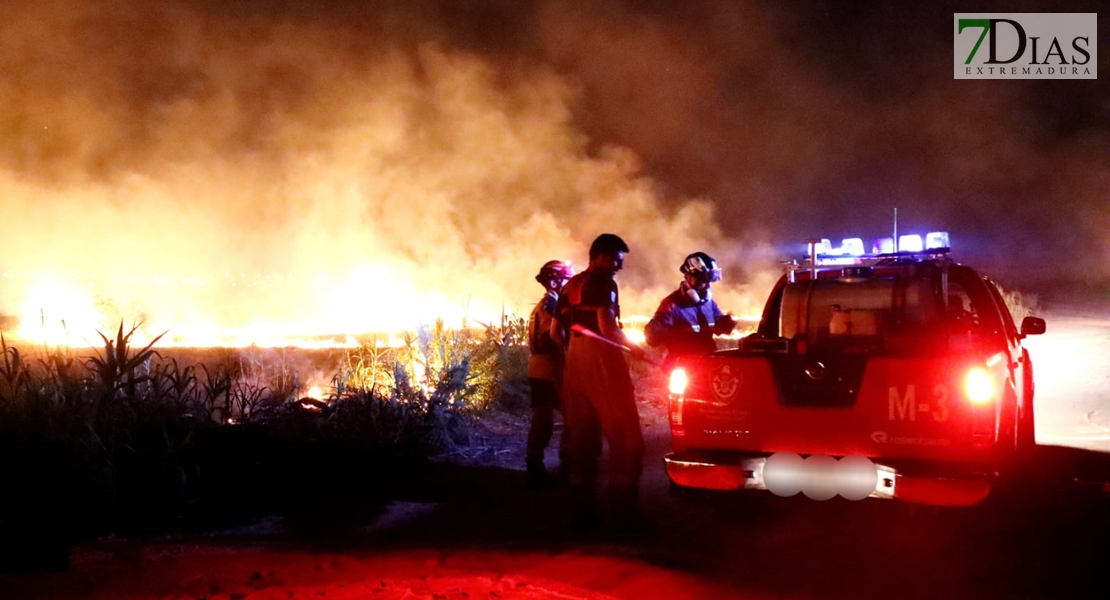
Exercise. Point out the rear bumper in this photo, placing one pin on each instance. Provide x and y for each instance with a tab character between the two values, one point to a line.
823	477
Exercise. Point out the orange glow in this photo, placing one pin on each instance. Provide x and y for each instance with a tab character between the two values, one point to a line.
352	195
635	334
55	310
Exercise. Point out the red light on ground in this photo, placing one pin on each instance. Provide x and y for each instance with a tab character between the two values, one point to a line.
942	492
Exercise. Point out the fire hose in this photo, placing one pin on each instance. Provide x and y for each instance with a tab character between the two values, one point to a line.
580	330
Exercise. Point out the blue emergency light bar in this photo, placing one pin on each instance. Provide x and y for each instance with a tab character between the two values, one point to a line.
852	250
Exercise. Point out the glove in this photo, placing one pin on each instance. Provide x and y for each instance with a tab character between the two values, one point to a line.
725	325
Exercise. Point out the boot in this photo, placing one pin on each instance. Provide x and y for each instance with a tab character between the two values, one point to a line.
563	472
536	473
625	517
584	516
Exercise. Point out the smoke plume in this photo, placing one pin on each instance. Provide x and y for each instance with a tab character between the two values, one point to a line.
301	168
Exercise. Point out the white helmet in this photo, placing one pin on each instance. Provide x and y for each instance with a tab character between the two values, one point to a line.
702	267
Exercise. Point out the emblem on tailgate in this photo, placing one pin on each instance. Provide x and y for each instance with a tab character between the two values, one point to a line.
725	384
815	371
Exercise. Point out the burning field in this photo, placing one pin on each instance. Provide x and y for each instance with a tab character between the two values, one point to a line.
229	178
272	259
299	174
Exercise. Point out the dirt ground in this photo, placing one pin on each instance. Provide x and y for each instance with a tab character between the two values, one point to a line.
499	541
266	560
388	558
273	570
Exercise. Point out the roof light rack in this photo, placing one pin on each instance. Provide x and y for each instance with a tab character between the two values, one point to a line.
852	251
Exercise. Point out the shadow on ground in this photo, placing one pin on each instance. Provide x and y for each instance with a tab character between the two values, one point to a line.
1045	538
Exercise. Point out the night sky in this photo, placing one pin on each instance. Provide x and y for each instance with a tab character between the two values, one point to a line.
739	128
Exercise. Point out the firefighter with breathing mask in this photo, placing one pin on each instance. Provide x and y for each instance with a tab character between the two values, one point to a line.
688	318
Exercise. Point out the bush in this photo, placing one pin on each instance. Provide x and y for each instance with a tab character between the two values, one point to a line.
472	367
136	442
1021	305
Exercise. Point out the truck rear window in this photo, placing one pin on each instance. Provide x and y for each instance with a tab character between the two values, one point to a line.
894	315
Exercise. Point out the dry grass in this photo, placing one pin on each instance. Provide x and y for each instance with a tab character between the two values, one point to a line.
1021	305
133	434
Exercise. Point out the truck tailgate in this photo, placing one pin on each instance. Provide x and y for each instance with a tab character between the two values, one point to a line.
912	408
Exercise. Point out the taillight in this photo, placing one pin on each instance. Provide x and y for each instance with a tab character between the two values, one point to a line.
979	386
677	388
678	382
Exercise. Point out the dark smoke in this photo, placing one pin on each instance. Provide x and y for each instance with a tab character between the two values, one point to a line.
806	119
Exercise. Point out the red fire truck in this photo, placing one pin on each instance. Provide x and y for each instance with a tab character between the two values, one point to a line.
897	373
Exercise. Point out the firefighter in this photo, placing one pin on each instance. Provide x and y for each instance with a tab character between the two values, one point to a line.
598	396
688	318
545	373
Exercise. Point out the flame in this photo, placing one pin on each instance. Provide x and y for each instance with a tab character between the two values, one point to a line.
634	328
635	334
67	310
289	190
54	310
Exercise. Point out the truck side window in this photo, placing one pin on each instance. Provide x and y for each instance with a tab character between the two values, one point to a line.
958	308
975	297
1007	317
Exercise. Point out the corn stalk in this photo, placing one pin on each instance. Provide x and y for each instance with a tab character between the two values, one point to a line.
117	368
14	375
